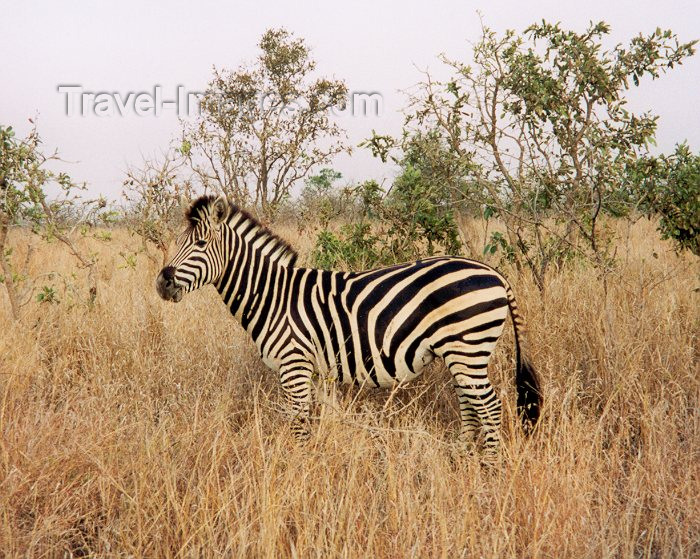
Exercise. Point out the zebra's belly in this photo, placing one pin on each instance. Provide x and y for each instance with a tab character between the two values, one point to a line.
378	370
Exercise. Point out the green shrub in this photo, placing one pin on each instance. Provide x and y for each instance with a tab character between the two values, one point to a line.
671	186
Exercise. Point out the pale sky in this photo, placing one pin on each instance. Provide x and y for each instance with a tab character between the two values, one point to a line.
374	46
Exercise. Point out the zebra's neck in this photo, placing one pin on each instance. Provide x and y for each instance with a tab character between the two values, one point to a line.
256	271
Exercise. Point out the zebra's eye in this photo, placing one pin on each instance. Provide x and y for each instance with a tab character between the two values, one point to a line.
201	243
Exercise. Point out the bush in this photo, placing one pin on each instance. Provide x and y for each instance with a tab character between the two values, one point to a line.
536	126
354	248
25	179
410	222
670	186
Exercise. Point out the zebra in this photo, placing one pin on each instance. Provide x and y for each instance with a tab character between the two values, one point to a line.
378	327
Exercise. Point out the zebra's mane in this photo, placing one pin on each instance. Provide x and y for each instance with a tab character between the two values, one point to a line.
281	249
198	210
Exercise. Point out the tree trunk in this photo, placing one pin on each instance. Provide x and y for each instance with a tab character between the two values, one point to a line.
7	270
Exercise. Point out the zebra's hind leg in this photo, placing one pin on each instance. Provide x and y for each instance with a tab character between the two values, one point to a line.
479	406
296	383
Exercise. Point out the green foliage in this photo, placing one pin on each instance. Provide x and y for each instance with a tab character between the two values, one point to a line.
185	147
47	295
498	242
380	145
129	259
354	248
20	165
544	115
24	181
413	220
424	196
323	181
669	186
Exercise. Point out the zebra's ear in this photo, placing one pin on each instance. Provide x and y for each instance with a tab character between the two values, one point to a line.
219	210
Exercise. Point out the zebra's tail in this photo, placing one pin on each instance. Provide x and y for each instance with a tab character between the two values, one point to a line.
527	381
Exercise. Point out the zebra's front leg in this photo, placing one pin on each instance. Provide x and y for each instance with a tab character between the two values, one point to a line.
296	383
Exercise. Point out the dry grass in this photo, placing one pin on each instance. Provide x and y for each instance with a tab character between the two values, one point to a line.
145	429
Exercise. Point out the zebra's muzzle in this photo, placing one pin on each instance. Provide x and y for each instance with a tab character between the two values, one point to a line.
166	286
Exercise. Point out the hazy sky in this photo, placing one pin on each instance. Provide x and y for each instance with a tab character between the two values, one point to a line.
374	46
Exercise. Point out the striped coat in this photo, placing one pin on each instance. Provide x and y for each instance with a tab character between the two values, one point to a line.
377	327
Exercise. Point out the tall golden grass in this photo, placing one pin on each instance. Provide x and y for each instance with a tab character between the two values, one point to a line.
139	428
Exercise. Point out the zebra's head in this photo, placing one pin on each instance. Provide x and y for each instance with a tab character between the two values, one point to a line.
200	254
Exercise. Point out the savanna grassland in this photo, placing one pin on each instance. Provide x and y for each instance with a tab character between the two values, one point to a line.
139	428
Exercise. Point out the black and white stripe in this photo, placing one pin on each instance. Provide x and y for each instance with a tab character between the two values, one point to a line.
377	327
